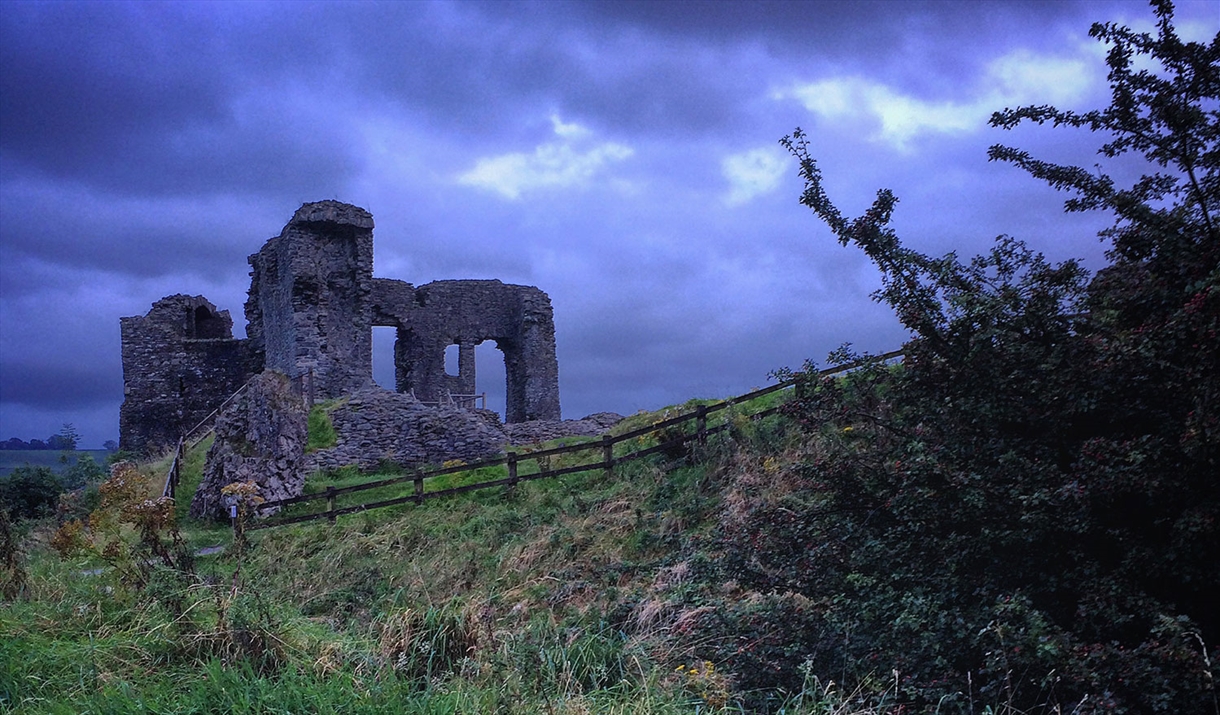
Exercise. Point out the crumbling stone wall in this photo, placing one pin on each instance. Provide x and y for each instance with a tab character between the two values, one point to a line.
308	306
311	308
260	438
376	425
593	425
180	361
465	313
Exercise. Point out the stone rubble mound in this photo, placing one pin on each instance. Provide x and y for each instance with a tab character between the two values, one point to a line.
260	438
375	425
546	430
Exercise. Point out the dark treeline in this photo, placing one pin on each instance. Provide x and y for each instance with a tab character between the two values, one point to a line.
66	440
55	441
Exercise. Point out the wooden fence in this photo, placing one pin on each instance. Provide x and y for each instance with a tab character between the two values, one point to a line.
175	470
603	451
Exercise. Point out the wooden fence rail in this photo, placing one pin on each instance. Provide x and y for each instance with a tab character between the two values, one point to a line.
606	459
174	475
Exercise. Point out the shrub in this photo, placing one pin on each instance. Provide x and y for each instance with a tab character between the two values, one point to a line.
83	472
12	569
30	492
124	507
1027	512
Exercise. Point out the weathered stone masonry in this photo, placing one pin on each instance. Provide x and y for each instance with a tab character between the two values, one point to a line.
465	313
179	362
308	307
311	308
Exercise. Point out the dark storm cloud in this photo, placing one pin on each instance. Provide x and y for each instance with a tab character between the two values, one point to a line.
148	99
148	148
802	22
75	386
82	81
167	99
944	37
471	66
57	227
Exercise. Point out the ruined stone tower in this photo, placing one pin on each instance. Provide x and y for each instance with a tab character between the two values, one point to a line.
311	309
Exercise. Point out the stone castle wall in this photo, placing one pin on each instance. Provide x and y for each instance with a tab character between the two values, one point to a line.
180	361
465	313
260	438
311	308
376	425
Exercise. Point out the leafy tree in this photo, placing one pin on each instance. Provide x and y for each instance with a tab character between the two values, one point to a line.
68	436
65	441
1154	314
1026	512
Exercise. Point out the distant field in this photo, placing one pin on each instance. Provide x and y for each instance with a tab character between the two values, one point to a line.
10	459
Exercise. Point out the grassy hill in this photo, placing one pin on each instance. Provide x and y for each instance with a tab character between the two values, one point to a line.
577	594
751	573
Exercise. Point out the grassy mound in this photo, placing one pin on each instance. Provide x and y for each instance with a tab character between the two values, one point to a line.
583	593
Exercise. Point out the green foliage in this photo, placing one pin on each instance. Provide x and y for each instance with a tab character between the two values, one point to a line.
65	441
583	657
322	433
1027	511
83	472
12	568
29	492
475	604
68	437
123	507
190	476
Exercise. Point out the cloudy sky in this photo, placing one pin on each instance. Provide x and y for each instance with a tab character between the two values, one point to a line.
622	156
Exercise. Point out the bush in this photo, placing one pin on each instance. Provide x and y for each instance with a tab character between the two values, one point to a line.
84	472
30	492
1026	513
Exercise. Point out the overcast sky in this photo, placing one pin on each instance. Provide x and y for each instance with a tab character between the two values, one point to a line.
621	156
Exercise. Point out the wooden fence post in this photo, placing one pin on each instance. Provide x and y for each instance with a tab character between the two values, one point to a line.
608	455
173	476
701	423
419	489
330	503
512	473
173	490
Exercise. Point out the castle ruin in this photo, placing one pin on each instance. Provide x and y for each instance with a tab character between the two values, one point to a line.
312	305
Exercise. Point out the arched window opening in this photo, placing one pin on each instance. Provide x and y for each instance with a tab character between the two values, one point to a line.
492	377
207	325
383	356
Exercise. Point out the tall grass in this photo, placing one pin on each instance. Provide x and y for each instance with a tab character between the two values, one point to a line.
576	594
